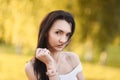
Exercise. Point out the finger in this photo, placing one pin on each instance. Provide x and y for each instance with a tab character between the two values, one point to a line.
47	51
42	52
38	50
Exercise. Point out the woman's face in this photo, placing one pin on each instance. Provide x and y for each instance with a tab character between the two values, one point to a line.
58	35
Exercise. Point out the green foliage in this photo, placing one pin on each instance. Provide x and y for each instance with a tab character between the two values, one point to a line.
20	19
97	22
113	56
7	48
105	13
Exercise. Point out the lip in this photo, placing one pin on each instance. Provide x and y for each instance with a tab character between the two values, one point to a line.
60	46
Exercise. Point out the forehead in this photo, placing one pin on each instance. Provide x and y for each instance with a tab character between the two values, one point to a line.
61	25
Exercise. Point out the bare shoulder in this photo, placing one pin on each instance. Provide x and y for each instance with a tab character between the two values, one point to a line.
28	66
29	71
72	58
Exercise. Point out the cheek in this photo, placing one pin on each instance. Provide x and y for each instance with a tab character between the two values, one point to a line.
52	39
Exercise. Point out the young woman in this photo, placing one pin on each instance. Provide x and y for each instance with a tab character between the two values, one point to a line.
50	61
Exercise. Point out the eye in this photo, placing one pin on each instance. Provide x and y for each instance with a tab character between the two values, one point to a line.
68	35
58	32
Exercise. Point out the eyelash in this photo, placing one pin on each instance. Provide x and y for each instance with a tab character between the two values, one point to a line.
68	34
58	32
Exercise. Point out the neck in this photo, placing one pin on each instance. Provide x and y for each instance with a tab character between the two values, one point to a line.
55	56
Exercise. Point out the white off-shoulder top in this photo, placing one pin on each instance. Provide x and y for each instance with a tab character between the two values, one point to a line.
71	75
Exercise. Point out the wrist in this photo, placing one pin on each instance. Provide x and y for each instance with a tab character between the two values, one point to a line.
51	70
50	66
51	73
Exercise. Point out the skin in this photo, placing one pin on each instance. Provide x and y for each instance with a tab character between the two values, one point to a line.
54	57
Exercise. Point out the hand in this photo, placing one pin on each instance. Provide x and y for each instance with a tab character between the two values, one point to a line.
43	55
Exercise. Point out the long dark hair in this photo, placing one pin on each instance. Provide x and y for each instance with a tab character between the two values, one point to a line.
40	67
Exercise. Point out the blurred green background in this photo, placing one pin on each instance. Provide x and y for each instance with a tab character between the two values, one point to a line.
96	40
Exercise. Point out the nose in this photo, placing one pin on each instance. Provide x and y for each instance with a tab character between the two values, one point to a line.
63	39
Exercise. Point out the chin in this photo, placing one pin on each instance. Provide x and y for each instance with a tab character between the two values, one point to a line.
59	49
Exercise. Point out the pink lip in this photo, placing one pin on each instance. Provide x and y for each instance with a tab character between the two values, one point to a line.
60	46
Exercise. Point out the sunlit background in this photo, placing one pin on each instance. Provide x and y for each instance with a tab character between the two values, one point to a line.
96	40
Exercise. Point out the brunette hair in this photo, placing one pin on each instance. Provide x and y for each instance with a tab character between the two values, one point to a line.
46	24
